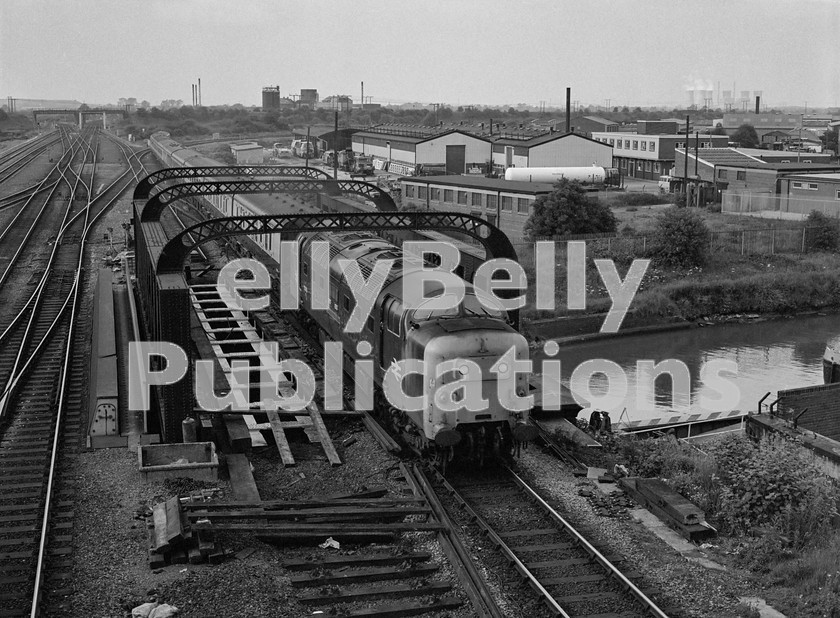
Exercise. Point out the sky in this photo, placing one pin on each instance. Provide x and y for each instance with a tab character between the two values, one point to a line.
457	52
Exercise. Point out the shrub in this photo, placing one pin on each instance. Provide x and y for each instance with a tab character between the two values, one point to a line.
569	210
680	239
825	235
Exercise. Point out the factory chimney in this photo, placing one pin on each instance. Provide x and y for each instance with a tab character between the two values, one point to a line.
199	91
757	105
568	110
363	95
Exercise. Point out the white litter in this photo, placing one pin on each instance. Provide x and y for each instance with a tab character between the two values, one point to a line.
330	543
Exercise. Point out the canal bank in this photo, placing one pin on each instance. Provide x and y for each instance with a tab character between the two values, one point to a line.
764	354
578	329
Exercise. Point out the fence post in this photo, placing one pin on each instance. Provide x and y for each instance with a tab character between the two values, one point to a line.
609	244
803	239
773	242
743	241
644	244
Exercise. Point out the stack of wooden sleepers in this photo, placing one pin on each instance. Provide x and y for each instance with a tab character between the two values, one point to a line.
172	540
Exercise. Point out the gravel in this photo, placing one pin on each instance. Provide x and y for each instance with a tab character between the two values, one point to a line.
696	591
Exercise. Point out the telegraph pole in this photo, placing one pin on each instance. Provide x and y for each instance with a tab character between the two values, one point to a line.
685	171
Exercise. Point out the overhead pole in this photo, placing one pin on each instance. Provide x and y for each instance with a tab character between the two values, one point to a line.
685	171
335	146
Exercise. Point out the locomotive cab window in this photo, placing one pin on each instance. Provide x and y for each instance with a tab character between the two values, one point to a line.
369	324
347	303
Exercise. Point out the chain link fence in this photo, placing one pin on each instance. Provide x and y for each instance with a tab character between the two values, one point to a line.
767	241
770	206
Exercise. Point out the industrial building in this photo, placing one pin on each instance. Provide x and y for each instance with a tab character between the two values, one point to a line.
650	156
587	125
550	150
505	204
407	150
738	170
271	97
309	97
248	154
762	123
802	190
477	149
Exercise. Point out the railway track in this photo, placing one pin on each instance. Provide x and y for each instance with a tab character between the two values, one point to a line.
567	572
43	368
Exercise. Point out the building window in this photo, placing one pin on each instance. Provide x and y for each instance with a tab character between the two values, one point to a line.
806	160
612	141
491	202
422	192
618	144
462	197
722	174
705	144
656	167
639	166
679	144
741	175
434	194
644	145
813	186
448	195
476	199
507	202
522	205
837	195
635	144
652	147
409	190
647	166
797	185
627	144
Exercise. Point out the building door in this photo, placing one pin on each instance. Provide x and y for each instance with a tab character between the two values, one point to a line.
456	159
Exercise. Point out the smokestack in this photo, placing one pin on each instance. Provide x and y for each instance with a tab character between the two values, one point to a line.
363	95
568	110
757	105
192	86
199	91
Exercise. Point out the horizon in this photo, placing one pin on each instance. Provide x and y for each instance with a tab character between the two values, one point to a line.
511	55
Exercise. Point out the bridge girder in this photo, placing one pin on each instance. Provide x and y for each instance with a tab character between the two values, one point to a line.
150	182
156	203
176	250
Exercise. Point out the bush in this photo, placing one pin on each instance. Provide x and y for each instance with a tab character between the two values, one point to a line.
680	239
825	235
773	485
569	210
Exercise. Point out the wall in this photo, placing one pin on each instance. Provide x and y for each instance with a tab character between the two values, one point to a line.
753	180
402	151
823	403
571	151
433	151
505	209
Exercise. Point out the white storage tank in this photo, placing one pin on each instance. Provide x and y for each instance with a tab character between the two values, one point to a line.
588	175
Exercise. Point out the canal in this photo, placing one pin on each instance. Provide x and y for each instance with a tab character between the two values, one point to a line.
768	356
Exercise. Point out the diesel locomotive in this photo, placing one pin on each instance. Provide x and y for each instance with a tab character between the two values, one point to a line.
472	331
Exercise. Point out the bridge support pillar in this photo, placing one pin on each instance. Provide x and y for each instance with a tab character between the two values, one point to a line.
173	318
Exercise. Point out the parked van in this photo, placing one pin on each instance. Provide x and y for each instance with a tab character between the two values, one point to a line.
665	183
